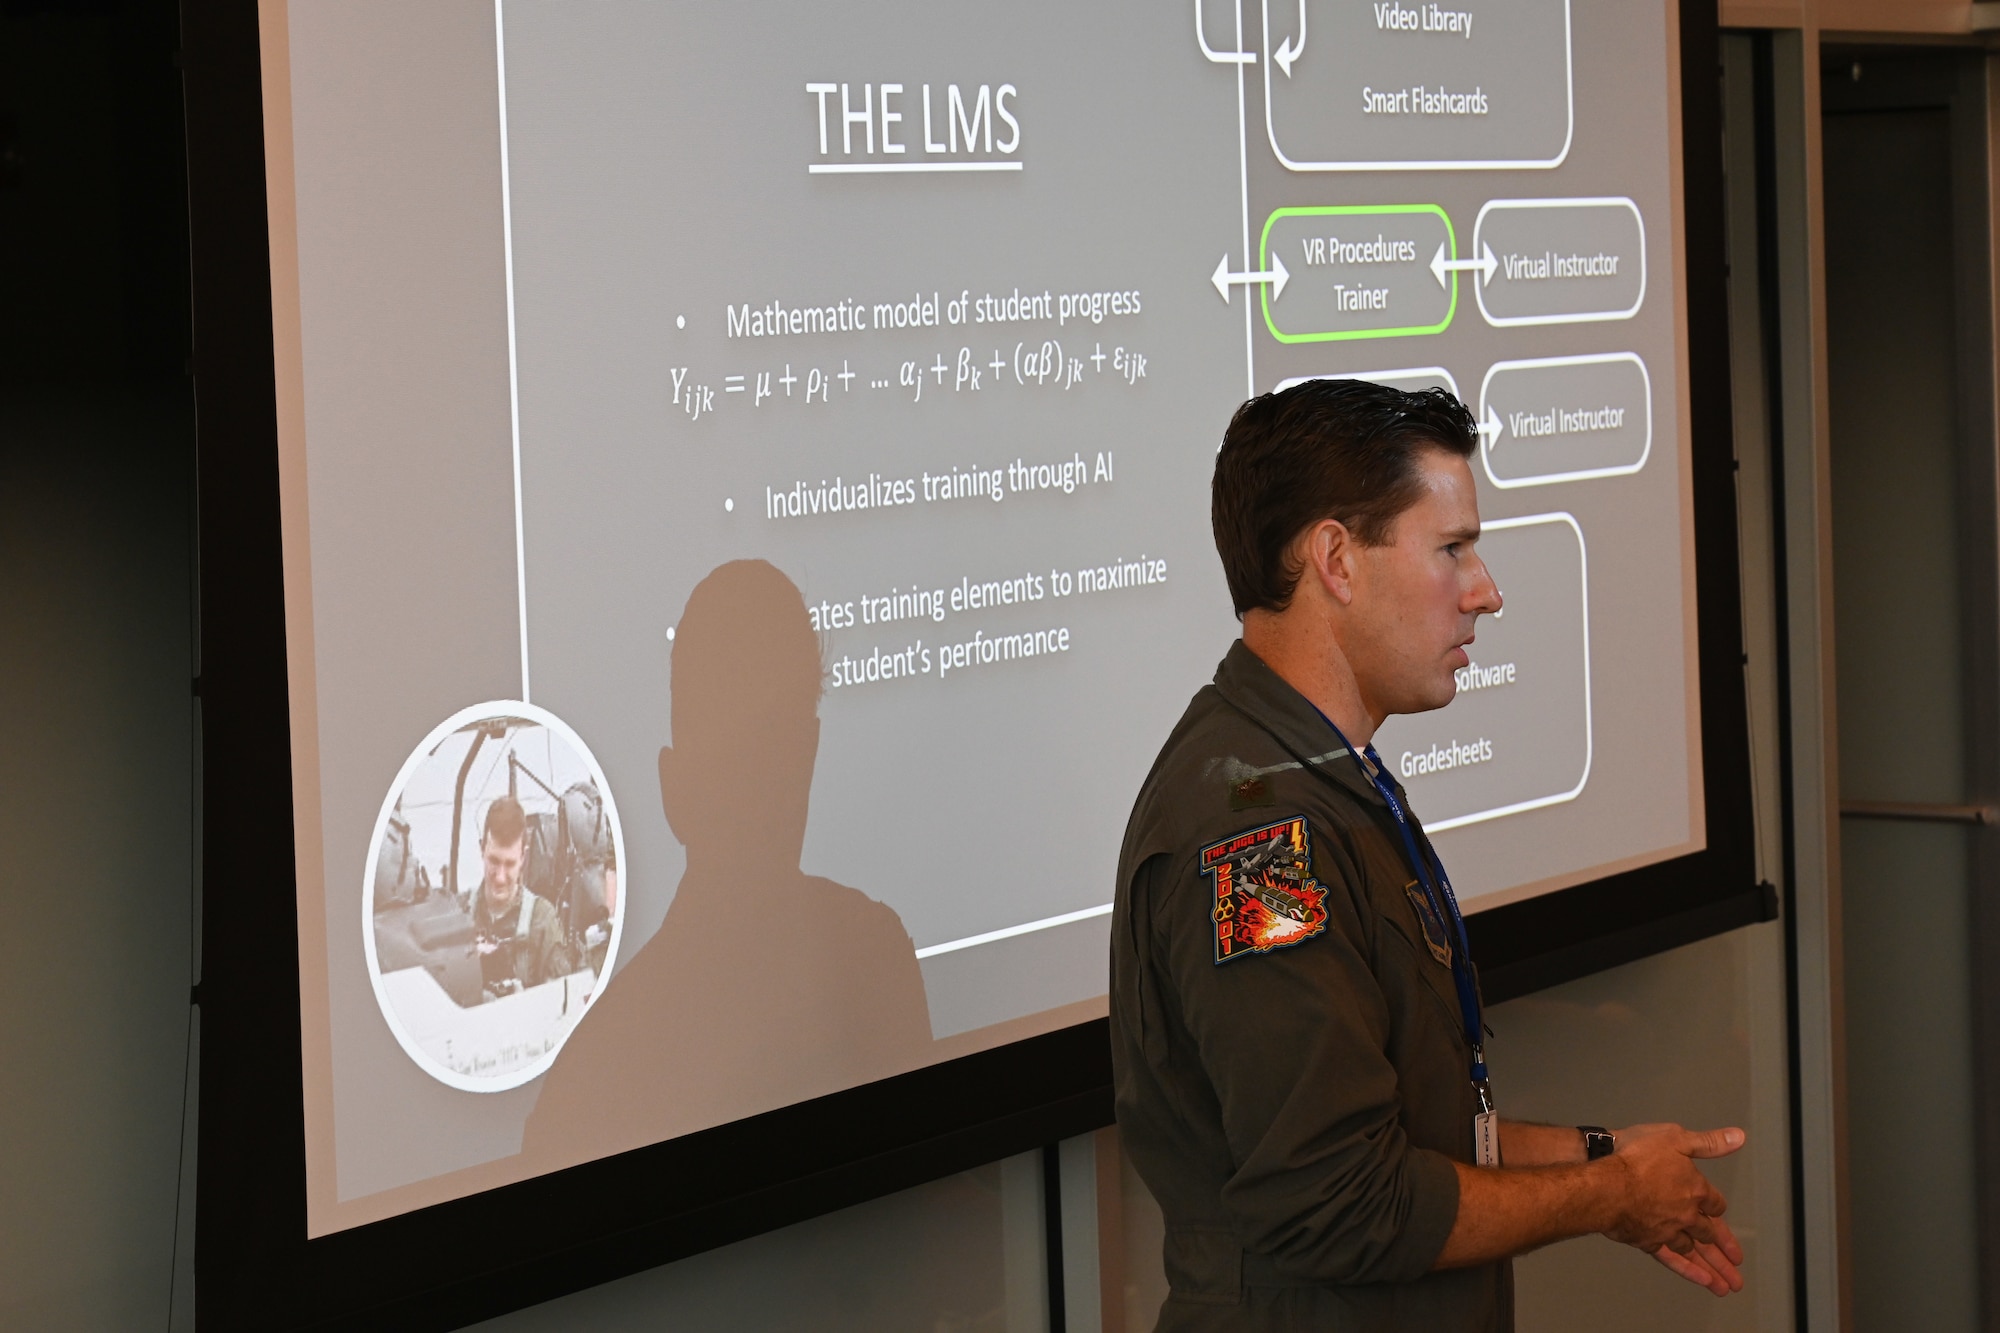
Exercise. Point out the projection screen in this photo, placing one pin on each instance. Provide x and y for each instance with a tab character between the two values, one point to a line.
744	481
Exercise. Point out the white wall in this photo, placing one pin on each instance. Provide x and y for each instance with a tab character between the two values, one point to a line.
962	1255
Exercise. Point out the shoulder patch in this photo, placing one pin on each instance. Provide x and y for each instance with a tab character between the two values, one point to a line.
1263	895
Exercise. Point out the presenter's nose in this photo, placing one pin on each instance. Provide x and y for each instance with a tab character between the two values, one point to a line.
1483	597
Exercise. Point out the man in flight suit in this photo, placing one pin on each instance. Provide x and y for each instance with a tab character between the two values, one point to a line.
520	938
1295	1023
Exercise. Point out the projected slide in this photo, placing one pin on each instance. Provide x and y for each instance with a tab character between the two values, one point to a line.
746	476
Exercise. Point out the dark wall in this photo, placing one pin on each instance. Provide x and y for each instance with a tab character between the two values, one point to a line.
95	838
96	751
93	207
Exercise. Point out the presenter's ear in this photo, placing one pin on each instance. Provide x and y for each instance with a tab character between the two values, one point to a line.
1325	554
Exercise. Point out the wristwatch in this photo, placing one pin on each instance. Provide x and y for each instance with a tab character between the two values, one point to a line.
1597	1142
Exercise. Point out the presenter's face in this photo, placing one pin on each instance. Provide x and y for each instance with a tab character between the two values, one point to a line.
1419	594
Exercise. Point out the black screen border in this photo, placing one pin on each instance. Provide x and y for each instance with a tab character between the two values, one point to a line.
458	1262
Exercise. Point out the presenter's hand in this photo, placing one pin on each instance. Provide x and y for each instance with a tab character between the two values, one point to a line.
1671	1210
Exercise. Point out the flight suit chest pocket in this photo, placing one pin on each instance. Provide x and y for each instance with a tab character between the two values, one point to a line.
1427	939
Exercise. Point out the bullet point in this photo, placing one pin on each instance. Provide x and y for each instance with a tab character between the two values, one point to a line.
729	506
680	321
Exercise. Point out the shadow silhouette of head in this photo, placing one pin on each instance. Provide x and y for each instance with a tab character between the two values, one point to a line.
746	686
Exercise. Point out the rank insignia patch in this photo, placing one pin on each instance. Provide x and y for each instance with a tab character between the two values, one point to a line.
1264	895
1436	937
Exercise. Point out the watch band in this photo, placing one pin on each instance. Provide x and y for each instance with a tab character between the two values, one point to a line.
1598	1142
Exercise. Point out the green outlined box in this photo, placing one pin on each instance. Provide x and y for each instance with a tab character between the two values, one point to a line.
1400	255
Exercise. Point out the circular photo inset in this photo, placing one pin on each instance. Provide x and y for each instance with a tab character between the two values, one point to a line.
491	909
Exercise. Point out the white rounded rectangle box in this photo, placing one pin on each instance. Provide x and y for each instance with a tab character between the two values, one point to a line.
1565	418
1517	736
1409	381
1417	85
1559	261
1359	271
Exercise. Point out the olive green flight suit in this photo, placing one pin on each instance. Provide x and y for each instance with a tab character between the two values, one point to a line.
1293	1081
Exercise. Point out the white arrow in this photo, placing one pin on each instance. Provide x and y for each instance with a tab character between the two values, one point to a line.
1277	277
1491	429
1288	50
1486	263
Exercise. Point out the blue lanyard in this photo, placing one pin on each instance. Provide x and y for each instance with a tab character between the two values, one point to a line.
1444	903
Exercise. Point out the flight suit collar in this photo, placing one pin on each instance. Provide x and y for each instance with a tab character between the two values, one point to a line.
1262	695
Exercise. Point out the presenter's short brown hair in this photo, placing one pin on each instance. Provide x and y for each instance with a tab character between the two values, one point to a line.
1339	449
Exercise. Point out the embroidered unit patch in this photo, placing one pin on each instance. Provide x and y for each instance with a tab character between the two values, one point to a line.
1436	936
1264	896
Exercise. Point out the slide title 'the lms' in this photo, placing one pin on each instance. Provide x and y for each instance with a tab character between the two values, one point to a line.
870	127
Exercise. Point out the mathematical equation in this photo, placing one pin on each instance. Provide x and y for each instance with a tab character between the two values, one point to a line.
1047	364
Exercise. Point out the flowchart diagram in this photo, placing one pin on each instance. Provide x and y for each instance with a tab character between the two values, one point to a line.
1420	101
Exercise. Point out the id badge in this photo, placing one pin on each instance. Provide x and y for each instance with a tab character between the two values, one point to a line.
1486	1138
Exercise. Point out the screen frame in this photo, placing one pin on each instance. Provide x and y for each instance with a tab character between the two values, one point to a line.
457	1262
